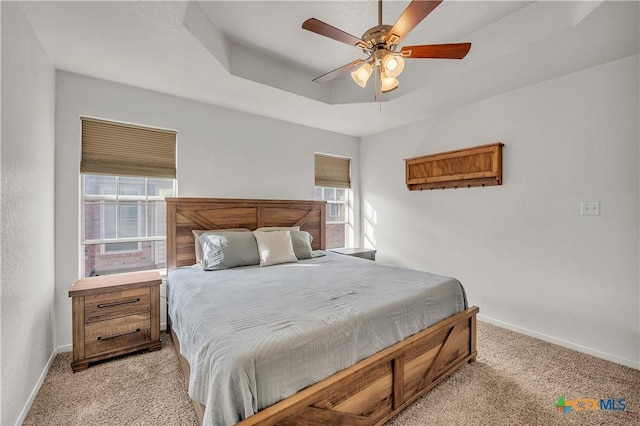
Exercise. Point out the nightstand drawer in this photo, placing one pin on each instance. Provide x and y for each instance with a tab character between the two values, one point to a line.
117	333
100	307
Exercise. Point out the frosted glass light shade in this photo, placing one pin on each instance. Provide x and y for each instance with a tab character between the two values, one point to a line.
393	65
362	74
387	83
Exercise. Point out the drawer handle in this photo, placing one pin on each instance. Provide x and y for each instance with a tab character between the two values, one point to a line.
118	335
122	302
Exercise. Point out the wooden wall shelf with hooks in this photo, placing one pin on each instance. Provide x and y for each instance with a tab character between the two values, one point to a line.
462	168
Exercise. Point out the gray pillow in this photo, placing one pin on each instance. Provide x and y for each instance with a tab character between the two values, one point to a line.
301	241
223	250
196	241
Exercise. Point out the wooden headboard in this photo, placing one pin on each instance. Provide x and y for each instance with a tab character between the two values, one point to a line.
187	214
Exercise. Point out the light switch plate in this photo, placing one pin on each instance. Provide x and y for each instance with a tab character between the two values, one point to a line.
590	208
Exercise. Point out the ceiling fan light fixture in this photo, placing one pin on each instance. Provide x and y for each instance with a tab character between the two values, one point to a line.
362	74
388	83
393	65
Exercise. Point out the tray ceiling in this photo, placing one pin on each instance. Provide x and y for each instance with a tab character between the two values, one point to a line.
253	56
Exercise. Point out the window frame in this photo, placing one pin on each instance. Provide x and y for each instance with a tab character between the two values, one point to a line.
348	206
345	203
103	223
116	199
101	198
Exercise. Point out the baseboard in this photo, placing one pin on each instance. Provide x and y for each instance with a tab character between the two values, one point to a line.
36	389
65	348
561	342
163	326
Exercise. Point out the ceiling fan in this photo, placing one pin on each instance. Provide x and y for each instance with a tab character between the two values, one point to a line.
380	43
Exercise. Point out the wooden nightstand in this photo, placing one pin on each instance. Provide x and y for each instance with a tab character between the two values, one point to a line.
364	253
115	315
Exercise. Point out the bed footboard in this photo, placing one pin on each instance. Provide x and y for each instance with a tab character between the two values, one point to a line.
376	388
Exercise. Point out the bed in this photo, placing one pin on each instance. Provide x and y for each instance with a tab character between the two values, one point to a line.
363	385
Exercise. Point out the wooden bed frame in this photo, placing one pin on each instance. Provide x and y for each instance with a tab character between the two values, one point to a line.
367	393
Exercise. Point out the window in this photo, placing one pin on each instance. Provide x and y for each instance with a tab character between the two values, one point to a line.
124	223
339	232
333	185
126	172
130	220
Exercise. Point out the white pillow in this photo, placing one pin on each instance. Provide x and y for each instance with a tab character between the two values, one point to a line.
275	247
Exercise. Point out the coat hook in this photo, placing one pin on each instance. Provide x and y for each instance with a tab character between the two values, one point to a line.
468	186
443	188
483	185
455	186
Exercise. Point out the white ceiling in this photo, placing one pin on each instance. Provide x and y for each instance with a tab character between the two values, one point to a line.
253	56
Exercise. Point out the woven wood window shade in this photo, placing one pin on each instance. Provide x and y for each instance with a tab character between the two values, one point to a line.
332	171
125	150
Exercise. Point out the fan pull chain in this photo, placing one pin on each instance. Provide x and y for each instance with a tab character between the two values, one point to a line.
378	87
375	84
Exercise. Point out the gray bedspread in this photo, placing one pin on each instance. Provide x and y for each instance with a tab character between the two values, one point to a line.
254	336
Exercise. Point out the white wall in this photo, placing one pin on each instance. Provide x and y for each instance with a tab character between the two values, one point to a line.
221	153
27	226
524	253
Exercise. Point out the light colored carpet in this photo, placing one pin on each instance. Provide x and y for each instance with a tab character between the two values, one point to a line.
515	381
141	389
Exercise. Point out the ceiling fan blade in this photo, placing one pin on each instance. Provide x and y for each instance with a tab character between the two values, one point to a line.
338	71
437	51
324	29
412	16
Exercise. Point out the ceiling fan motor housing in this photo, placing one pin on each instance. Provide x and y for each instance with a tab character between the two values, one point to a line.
375	38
